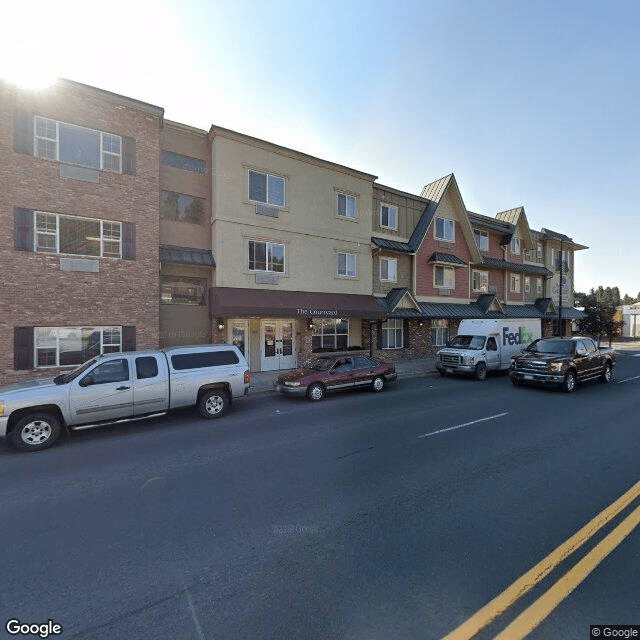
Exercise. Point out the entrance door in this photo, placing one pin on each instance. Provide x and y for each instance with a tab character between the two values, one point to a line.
239	337
277	348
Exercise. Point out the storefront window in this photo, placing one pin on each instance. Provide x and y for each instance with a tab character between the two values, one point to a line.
439	332
330	334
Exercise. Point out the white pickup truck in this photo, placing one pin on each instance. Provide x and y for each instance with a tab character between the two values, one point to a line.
121	387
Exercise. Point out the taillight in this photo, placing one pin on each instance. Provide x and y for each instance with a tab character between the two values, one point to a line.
247	376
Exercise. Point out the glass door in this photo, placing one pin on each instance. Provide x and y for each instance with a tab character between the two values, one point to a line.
239	337
277	348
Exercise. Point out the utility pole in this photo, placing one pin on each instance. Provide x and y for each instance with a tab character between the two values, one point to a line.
560	267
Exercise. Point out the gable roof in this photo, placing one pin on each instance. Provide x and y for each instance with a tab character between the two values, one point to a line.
416	237
518	218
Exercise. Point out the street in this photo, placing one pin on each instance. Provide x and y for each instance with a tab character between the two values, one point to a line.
365	516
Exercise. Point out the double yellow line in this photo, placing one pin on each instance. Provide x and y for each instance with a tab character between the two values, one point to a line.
531	617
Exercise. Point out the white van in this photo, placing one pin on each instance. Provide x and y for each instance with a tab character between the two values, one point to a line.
486	345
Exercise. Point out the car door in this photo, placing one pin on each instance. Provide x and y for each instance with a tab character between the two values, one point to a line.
595	357
581	359
151	391
104	392
340	376
492	354
363	371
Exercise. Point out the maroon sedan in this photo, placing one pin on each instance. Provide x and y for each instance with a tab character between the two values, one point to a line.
332	373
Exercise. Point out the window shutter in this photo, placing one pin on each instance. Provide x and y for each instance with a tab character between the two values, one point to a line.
379	336
22	348
128	241
23	229
128	338
128	155
23	132
406	338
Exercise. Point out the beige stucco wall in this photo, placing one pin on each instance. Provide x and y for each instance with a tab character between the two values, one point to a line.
308	225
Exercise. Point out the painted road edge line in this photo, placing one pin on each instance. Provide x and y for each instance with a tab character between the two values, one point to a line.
627	379
503	601
531	617
466	424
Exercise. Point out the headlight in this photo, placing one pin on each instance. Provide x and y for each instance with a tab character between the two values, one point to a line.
468	359
1	408
291	384
555	367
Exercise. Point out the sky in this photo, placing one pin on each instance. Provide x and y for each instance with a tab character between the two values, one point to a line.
527	103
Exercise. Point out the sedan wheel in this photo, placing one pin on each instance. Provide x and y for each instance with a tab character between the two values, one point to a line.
315	392
377	384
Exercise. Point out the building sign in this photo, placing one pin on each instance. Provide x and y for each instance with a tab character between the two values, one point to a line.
318	313
567	289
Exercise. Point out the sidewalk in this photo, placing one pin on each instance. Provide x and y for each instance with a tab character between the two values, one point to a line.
262	381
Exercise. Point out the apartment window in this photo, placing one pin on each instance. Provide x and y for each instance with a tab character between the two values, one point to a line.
527	284
266	188
539	286
388	216
346	206
480	280
66	346
389	269
444	277
77	145
539	250
181	207
515	246
392	333
439	332
185	163
266	256
482	240
183	290
445	230
330	334
347	265
515	283
528	254
72	235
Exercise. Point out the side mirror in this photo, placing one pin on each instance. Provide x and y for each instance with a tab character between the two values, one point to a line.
581	352
87	381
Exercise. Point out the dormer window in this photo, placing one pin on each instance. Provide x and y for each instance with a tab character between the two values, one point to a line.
515	246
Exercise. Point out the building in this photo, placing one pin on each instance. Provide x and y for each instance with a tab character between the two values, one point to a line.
630	316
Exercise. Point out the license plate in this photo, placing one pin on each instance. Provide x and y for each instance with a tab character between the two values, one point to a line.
449	370
528	377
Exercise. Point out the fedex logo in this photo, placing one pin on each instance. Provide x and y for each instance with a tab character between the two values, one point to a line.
523	336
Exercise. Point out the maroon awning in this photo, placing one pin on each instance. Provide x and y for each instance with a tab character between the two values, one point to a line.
229	302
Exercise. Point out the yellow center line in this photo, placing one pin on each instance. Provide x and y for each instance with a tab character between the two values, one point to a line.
531	617
502	602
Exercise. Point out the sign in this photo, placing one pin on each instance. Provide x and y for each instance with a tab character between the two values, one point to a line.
318	313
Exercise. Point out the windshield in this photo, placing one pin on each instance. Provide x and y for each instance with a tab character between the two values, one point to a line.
319	364
63	378
467	342
563	347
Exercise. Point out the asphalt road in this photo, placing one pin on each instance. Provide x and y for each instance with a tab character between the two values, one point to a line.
349	518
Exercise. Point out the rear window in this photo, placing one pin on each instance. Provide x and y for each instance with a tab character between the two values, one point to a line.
202	359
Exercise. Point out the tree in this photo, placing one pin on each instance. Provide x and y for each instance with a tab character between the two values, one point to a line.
600	309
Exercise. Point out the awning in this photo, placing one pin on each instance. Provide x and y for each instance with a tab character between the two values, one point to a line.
229	302
184	255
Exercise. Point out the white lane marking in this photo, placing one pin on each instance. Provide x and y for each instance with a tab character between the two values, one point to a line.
627	379
466	424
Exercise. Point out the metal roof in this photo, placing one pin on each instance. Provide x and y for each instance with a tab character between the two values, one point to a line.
435	190
391	245
449	258
499	263
484	222
184	255
416	237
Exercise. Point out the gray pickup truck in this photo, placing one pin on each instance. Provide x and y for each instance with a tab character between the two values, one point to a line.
121	387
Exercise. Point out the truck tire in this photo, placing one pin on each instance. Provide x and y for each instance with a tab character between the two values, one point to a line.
569	382
213	404
481	371
35	431
607	373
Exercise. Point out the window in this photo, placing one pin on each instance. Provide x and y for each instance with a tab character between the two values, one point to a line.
388	216
515	246
146	367
439	332
72	235
347	265
362	362
64	346
480	280
392	333
527	284
539	250
181	207
203	359
266	256
182	290
389	269
185	163
539	286
346	206
482	240
444	277
330	334
445	230
266	188
515	283
77	145
492	345
560	262
111	371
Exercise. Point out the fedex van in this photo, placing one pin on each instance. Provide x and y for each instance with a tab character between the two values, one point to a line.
486	345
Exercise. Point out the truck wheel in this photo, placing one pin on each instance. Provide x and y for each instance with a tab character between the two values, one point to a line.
35	432
315	392
569	383
481	371
213	403
607	374
377	384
